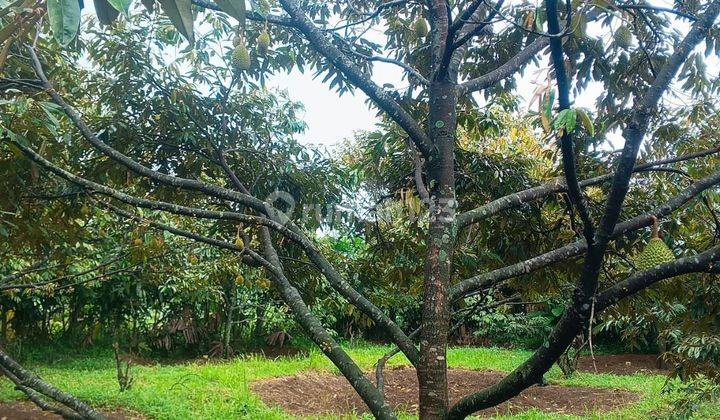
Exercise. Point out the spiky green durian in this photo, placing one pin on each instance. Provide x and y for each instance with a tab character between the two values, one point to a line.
421	28
263	42
655	252
241	57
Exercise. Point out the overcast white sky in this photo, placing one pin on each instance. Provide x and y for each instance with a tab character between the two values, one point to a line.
332	118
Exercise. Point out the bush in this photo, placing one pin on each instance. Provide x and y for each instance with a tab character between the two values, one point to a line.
688	397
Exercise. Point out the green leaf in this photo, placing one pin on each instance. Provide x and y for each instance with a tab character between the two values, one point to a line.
566	121
121	5
548	102
48	109
106	13
234	8
539	18
64	16
586	121
180	14
149	4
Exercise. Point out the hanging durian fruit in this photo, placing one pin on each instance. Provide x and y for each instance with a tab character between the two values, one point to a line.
192	259
263	41
240	55
420	27
655	252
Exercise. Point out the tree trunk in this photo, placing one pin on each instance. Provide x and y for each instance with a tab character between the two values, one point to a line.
227	329
74	318
258	330
3	324
432	371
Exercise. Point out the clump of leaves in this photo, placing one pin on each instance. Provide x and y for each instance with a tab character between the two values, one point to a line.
690	395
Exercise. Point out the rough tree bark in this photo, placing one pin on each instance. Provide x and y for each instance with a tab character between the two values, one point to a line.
34	387
432	371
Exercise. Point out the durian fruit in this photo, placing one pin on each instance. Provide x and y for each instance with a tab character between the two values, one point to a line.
420	27
655	252
623	37
193	259
239	279
263	42
241	57
239	242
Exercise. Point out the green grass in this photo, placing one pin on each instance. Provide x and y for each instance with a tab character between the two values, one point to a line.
221	390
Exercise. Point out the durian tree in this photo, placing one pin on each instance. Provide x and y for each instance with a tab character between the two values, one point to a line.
456	56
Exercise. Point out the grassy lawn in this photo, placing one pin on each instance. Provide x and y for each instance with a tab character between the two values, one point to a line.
221	390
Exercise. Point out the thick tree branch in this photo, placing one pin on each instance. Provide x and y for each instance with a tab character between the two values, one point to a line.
466	15
156	204
557	186
660	9
703	262
440	40
505	70
362	385
29	380
356	76
39	399
251	15
38	266
567	145
472	29
577	248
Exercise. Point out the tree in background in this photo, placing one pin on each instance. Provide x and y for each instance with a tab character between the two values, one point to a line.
455	56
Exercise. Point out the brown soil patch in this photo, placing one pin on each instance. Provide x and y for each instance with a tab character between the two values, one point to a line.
25	410
622	364
315	393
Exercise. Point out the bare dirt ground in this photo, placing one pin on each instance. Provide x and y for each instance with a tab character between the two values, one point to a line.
25	410
312	393
622	364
